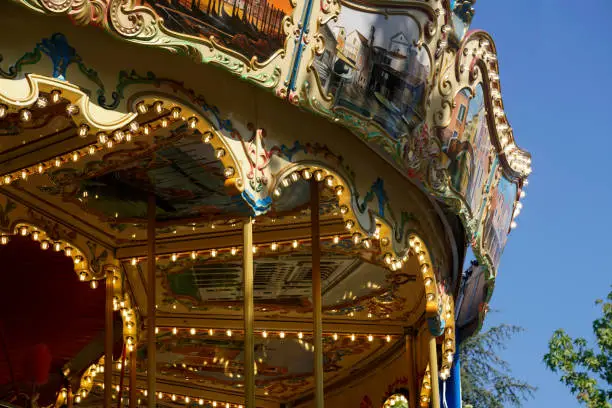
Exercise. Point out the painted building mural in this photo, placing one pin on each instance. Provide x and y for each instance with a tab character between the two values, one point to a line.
467	143
372	67
251	27
499	216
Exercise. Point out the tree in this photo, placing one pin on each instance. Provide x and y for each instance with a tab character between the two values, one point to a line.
486	379
585	370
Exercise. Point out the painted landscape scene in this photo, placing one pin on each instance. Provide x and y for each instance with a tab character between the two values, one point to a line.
251	27
467	143
499	217
372	67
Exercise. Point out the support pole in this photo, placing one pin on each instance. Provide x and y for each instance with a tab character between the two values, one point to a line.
121	377
433	369
249	344
151	341
316	293
133	396
108	338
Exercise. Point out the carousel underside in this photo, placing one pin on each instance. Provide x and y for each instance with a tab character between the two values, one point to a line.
191	239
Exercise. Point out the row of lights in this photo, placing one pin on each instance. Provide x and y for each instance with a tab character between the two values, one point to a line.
358	237
235	250
281	334
81	267
517	159
25	114
426	389
83	393
106	139
35	234
448	341
429	278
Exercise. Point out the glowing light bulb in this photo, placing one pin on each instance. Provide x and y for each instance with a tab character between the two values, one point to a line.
192	331
264	334
25	115
300	335
281	335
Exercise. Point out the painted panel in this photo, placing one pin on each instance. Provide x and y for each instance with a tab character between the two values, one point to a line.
498	219
250	27
372	67
467	144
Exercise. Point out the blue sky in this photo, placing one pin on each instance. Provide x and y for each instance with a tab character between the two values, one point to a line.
555	60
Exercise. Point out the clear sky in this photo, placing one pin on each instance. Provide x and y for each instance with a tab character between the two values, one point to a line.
556	74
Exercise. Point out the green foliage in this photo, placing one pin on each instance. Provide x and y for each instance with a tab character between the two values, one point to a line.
486	381
586	371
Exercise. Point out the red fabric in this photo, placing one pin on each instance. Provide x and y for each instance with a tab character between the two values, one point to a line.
38	364
42	301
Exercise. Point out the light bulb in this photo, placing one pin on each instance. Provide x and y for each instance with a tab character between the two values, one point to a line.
25	115
281	335
72	109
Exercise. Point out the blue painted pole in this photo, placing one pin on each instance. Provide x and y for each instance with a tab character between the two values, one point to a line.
453	385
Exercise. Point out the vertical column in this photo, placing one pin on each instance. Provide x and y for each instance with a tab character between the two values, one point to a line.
151	341
316	293
249	346
133	396
433	369
108	338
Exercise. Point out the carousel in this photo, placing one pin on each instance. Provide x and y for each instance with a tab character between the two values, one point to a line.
247	203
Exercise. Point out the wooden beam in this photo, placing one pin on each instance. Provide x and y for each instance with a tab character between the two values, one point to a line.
316	294
151	299
249	311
